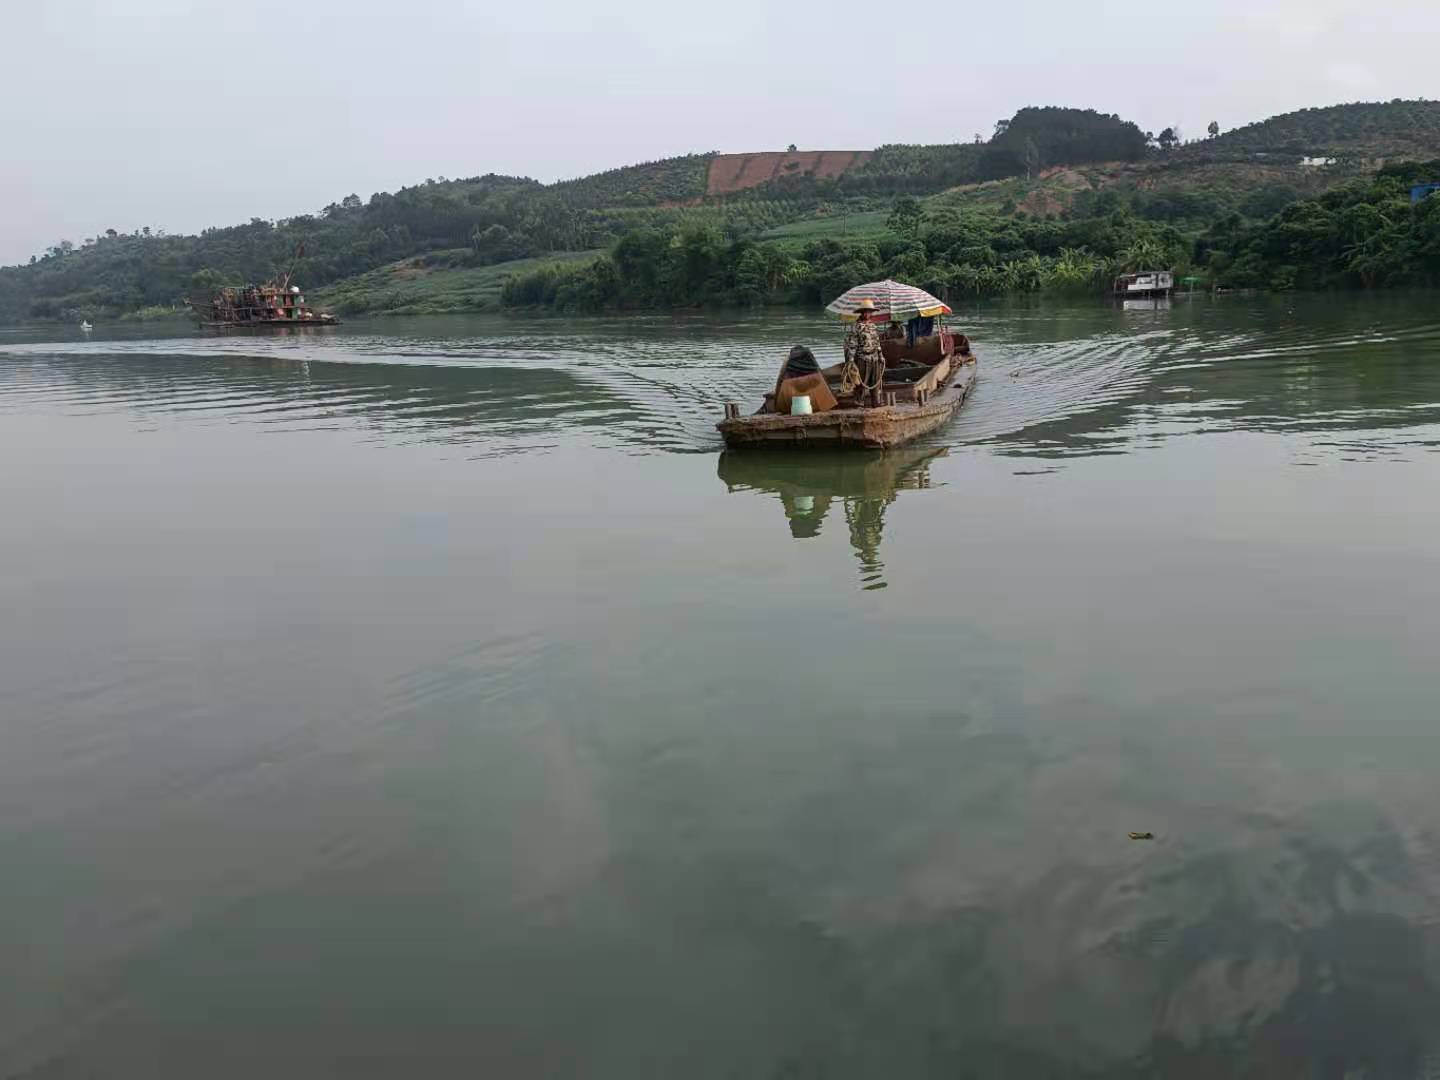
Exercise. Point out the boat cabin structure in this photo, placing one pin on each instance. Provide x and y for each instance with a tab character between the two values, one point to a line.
266	305
1144	283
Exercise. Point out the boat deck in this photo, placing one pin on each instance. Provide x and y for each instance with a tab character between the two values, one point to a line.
876	427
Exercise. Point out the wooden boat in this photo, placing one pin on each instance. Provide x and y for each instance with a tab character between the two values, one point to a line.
911	408
929	372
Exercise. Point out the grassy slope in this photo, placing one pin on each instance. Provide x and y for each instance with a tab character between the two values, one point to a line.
1054	192
1230	167
671	180
820	226
409	287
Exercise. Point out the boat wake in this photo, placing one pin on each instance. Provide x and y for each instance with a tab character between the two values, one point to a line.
1054	382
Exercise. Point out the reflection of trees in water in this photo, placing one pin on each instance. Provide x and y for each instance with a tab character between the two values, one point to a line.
915	896
808	483
1001	924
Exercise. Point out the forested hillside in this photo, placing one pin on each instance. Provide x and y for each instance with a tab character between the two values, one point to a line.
673	180
1409	129
1035	189
1360	235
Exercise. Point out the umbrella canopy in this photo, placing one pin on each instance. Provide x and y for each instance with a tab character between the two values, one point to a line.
893	299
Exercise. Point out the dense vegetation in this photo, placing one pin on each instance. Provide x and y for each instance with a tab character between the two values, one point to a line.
1035	139
476	222
899	169
1365	234
1364	129
994	214
948	251
674	180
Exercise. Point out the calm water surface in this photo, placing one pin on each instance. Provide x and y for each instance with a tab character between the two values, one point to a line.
434	698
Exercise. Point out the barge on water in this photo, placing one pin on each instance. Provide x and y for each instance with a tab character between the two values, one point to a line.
266	306
928	373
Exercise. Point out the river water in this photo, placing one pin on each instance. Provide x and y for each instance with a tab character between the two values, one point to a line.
434	698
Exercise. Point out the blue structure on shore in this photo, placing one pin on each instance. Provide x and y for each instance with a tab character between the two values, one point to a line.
1419	191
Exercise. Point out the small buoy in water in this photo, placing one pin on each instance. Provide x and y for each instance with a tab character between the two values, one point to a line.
800	405
1142	836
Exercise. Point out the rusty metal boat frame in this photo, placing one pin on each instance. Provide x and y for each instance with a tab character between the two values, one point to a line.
268	305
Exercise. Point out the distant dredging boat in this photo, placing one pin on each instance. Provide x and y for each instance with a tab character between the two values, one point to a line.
265	306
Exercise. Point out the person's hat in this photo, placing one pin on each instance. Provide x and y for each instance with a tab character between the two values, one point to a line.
866	304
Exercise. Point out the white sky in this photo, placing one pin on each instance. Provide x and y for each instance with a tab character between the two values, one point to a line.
122	113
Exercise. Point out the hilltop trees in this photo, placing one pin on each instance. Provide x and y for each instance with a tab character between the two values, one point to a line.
1364	129
1035	139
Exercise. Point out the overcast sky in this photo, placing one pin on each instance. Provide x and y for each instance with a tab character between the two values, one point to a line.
180	114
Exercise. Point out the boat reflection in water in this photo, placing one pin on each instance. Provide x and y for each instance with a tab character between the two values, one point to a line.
809	484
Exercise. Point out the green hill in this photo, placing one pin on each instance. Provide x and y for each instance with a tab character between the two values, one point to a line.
1029	190
1404	129
654	183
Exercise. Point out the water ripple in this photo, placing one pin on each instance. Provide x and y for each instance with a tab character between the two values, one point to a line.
1056	381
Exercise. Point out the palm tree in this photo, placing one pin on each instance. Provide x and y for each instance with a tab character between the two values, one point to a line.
1031	273
1075	268
966	277
1006	278
1144	253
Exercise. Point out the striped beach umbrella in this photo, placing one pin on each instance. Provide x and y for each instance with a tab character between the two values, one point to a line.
893	300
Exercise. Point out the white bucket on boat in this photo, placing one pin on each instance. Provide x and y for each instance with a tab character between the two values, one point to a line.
800	405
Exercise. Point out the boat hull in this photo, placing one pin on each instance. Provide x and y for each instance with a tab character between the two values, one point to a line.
271	324
862	429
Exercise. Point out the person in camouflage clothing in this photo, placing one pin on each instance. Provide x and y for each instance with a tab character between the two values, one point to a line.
863	355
